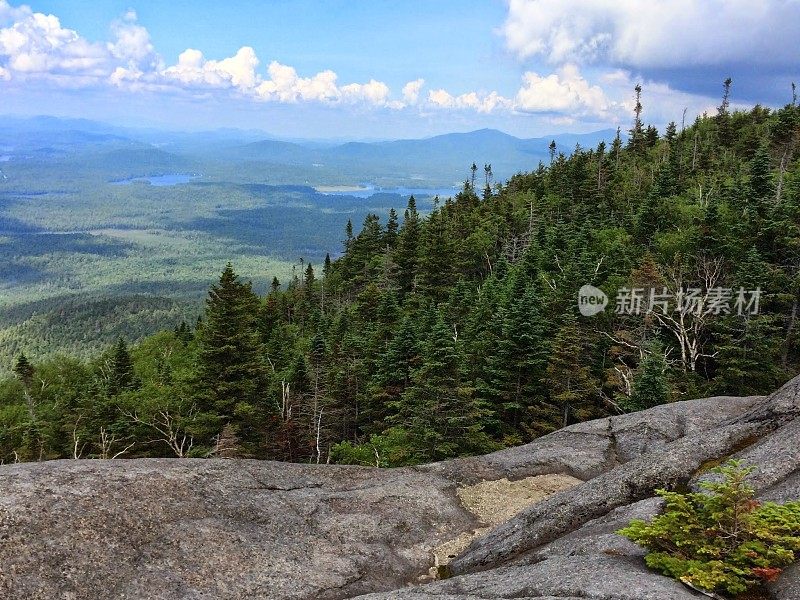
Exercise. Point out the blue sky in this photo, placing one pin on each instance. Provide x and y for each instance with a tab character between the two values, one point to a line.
378	69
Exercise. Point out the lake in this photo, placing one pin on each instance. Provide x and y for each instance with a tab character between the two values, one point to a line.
365	191
159	180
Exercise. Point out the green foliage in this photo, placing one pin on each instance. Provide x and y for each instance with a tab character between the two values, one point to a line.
448	330
231	370
650	387
392	448
721	539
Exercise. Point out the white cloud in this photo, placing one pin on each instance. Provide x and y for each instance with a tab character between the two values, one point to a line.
656	33
484	103
36	44
9	14
411	91
285	85
36	47
565	91
193	70
372	92
132	45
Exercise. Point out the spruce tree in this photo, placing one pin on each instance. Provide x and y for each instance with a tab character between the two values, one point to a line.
231	363
516	368
723	119
122	376
440	413
761	185
568	376
392	229
24	370
408	247
650	387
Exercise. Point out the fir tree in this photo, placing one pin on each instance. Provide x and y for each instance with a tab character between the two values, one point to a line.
650	387
568	376
232	370
408	246
761	185
121	377
24	370
442	416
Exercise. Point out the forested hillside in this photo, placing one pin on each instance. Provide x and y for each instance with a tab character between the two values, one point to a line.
459	332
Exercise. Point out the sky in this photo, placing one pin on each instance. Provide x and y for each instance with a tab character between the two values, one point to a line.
378	69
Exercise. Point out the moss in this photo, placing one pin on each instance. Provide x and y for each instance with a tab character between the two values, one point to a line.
443	572
713	463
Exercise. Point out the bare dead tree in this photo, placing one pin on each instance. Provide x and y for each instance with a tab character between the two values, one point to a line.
319	430
168	427
77	452
107	442
688	323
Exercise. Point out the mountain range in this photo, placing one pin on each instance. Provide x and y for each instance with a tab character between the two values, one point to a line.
446	157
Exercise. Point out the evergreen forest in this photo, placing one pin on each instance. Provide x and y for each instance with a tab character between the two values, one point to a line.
456	330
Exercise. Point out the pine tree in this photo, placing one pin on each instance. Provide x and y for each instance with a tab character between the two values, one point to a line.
348	230
121	376
568	375
761	185
636	142
516	368
435	256
442	416
408	247
748	359
231	369
650	387
392	229
24	370
724	116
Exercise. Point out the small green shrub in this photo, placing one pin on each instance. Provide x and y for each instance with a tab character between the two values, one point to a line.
720	540
389	449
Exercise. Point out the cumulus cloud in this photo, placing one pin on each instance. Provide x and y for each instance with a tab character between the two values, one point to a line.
655	34
132	44
36	46
9	14
35	43
193	70
285	85
373	92
411	91
565	91
484	103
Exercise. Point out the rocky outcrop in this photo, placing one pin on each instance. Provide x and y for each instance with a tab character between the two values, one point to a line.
246	529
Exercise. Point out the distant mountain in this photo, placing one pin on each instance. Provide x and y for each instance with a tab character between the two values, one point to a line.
439	160
449	155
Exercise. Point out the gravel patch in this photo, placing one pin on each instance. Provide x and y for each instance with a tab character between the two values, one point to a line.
494	502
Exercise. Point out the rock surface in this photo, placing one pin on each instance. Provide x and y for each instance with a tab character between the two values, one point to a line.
230	529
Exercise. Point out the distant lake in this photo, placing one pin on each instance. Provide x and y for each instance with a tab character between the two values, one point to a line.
159	180
366	191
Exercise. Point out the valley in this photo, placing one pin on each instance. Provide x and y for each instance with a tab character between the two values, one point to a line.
150	217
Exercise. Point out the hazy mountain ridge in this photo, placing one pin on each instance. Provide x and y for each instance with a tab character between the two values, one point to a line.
448	155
